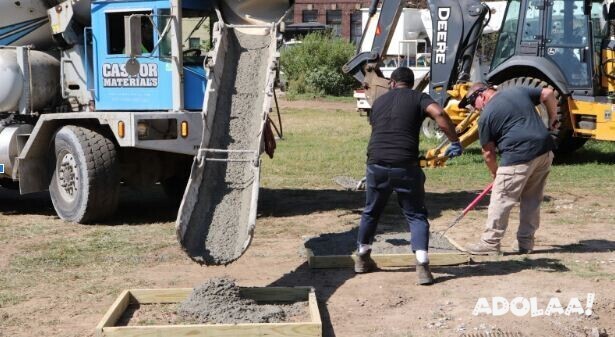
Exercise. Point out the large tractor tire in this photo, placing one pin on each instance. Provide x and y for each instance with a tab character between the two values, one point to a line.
565	142
85	178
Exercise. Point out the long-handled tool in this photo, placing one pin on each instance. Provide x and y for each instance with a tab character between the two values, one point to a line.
469	207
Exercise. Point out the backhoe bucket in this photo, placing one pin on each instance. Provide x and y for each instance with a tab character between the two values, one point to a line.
217	216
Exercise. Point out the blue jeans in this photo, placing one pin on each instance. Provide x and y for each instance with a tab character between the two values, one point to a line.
408	182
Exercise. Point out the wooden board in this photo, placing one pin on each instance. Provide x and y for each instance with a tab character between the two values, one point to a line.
385	260
313	328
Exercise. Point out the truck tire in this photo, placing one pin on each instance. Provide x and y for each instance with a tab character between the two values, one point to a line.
565	142
85	176
431	130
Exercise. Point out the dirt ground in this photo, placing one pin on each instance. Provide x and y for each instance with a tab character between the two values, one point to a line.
574	257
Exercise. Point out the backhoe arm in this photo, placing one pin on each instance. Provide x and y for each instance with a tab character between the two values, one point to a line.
456	29
364	66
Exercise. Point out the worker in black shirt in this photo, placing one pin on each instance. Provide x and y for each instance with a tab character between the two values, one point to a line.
392	165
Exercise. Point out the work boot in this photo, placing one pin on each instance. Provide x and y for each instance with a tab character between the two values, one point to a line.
363	263
424	274
482	248
522	250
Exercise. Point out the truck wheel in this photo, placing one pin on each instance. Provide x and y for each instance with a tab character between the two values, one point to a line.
85	179
565	142
431	130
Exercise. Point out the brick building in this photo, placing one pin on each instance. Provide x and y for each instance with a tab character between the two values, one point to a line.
343	17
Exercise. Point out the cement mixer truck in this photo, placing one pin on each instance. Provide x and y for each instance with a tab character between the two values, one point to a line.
96	94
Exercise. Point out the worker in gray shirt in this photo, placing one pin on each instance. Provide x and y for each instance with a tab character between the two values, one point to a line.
510	125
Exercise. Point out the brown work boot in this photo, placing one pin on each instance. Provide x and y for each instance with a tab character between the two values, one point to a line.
424	274
363	262
482	248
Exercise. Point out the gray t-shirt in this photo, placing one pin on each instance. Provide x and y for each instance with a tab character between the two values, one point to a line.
510	121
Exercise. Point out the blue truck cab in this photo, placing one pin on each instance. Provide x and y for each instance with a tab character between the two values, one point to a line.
114	89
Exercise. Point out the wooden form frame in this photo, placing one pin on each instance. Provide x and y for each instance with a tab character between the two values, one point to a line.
313	328
389	260
385	260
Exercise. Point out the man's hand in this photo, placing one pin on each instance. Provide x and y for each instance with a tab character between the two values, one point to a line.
454	150
554	124
490	158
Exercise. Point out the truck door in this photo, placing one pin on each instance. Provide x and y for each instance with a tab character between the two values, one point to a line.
568	42
532	30
116	89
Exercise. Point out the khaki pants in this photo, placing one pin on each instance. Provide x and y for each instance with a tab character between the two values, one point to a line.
523	183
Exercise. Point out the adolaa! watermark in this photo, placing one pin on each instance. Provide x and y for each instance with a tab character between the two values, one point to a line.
521	306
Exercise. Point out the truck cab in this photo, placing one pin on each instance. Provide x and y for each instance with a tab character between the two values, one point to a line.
150	87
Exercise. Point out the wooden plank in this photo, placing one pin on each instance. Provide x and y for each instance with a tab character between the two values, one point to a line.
489	258
390	260
220	330
114	313
149	296
310	256
313	306
276	294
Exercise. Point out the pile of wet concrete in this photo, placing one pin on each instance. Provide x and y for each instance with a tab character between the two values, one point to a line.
219	301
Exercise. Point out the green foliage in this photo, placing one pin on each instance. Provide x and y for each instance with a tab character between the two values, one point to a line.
322	144
315	66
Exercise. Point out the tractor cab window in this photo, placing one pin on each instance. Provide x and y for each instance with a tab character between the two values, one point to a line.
507	38
532	23
598	26
567	41
567	24
115	31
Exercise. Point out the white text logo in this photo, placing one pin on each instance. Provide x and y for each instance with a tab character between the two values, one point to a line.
521	306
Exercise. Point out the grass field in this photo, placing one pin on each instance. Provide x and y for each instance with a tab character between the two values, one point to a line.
321	145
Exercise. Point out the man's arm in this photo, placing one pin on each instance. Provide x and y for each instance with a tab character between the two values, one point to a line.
490	158
547	97
445	123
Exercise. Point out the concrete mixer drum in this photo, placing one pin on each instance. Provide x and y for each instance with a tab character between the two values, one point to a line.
254	12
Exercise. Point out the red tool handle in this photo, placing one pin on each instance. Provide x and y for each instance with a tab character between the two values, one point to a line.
478	199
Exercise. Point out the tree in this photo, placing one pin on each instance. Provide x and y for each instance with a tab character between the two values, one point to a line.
314	66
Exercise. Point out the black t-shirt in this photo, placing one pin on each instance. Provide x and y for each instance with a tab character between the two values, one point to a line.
396	119
510	120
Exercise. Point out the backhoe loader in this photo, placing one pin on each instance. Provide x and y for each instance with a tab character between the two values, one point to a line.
566	45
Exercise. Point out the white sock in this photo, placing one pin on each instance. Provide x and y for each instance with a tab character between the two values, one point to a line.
421	256
363	248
